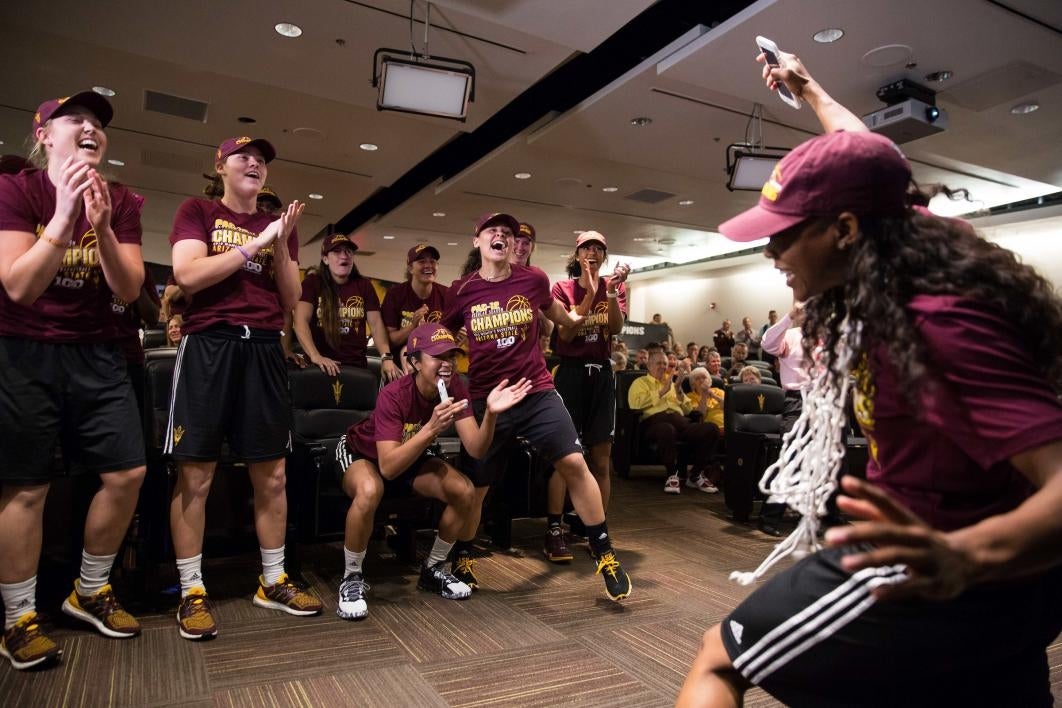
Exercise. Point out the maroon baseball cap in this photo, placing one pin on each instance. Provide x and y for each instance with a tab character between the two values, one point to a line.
860	172
591	237
97	104
431	338
420	251
525	230
337	241
234	145
496	218
268	194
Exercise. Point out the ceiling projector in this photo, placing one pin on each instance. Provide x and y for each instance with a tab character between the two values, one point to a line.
911	114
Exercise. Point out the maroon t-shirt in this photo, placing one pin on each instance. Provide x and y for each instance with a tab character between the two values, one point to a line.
400	412
401	302
502	323
76	307
247	297
592	341
949	460
357	296
128	322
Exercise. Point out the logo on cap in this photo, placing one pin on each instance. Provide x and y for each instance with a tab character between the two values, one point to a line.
441	334
773	186
243	141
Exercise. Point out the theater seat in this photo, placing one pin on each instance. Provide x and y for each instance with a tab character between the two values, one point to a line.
753	418
154	338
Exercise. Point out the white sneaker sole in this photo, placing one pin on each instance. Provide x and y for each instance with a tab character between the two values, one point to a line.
23	665
194	637
273	605
78	613
672	490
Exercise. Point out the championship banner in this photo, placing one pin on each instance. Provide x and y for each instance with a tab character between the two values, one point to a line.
636	335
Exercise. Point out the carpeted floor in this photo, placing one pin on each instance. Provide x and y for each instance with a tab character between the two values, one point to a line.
535	634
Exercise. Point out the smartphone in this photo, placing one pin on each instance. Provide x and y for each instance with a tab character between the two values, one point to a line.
443	395
770	53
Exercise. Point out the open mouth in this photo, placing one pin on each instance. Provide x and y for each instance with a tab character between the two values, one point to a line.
253	174
88	144
498	244
445	373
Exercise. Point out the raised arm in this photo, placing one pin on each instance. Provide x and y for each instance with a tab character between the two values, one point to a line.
798	80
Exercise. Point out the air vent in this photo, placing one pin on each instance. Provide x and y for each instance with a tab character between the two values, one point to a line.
649	196
171	161
175	106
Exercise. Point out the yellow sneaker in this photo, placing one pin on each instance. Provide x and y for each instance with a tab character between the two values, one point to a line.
285	596
195	619
102	611
26	646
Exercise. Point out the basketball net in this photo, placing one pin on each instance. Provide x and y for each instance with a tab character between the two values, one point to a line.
805	474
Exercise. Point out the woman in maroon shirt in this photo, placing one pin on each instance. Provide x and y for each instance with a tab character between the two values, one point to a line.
69	244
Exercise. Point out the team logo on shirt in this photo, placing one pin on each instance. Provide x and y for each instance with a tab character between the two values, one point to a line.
81	262
226	236
337	390
489	321
595	323
409	430
178	433
118	305
407	317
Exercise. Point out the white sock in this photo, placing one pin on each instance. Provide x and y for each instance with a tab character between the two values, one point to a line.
352	561
272	565
439	551
191	572
95	572
19	598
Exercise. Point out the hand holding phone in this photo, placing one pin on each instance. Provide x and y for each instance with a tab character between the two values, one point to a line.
771	53
444	396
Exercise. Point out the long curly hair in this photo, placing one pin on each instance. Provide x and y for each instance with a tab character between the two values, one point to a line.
328	311
899	257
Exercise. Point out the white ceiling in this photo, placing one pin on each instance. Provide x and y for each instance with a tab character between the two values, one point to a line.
227	54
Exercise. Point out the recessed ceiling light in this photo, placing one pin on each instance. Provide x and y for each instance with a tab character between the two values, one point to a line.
1	142
1022	108
116	163
438	214
369	147
451	243
939	76
389	238
825	36
315	195
286	29
245	119
641	121
685	202
610	189
103	91
577	232
522	175
641	239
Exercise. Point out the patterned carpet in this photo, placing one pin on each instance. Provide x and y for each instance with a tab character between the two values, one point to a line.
535	634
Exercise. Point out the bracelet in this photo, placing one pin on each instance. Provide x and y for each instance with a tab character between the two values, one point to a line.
387	357
246	255
56	242
611	296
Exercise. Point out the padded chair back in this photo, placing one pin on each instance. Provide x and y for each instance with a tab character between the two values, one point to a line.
760	364
624	379
158	382
325	406
765	380
750	408
154	338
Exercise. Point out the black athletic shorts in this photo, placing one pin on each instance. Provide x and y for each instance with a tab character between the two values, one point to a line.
401	486
540	418
588	390
75	395
230	383
813	636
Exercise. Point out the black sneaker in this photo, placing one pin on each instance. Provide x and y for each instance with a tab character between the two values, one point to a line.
464	569
352	605
617	582
554	546
439	580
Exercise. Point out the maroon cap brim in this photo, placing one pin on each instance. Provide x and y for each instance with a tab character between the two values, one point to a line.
757	223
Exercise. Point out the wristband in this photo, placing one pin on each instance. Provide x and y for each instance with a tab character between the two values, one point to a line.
246	255
387	357
56	242
611	296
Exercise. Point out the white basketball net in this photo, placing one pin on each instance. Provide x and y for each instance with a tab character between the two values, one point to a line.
805	473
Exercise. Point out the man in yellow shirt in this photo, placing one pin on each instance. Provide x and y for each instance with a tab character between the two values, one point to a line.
664	406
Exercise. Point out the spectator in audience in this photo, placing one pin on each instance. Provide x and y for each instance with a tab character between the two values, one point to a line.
239	266
269	201
961	507
619	361
659	320
749	337
738	359
584	378
707	402
418	300
335	306
641	359
772	317
174	300
664	406
173	331
702	354
70	243
393	452
691	351
751	375
714	365
504	343
724	338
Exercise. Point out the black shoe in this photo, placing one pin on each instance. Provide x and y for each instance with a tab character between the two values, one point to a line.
554	546
770	529
464	569
439	580
617	582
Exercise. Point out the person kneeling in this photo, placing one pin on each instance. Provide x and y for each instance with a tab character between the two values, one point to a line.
391	451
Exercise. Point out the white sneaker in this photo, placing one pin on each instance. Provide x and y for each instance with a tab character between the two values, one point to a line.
352	605
672	485
702	483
